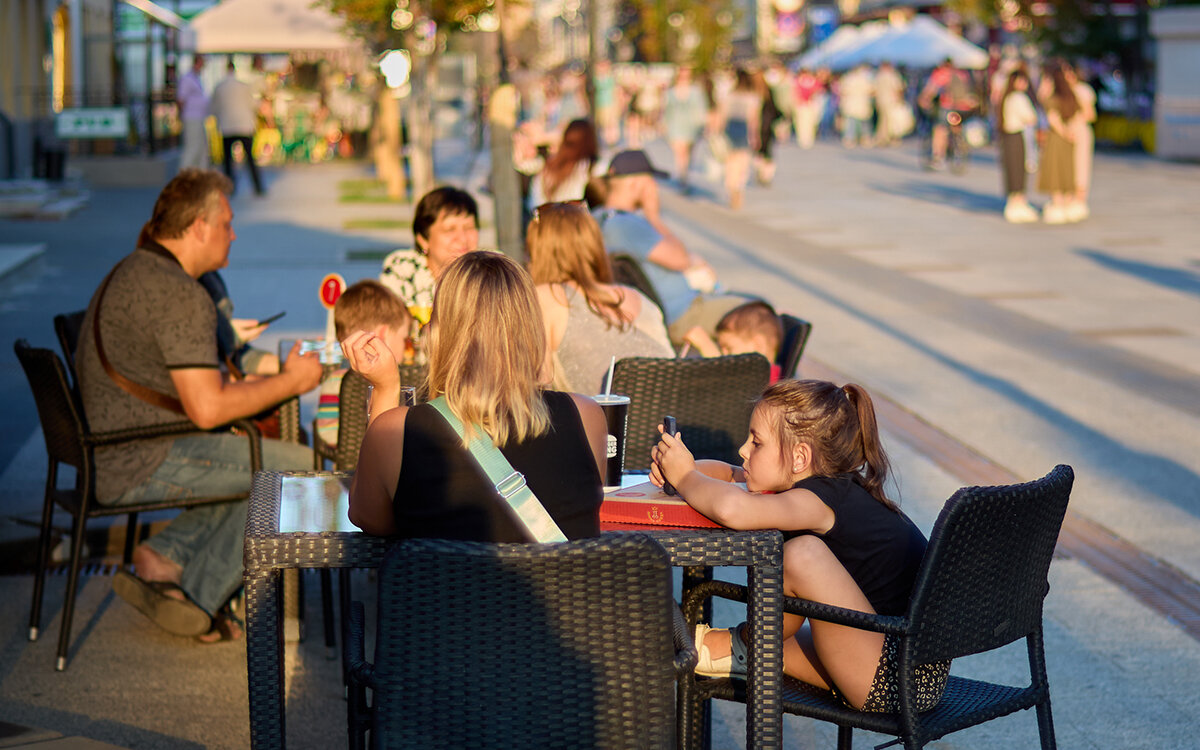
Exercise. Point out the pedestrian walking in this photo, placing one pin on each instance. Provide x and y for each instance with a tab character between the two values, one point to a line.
809	98
741	112
891	122
684	112
193	111
856	92
235	109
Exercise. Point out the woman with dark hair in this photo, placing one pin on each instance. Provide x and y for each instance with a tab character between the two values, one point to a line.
415	477
1056	173
564	175
1016	115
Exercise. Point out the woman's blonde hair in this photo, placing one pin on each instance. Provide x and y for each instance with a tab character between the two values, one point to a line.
565	244
486	346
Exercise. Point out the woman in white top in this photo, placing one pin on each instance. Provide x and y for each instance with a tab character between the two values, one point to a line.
588	319
564	175
1016	115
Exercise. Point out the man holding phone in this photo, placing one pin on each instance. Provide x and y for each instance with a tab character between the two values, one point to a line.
147	355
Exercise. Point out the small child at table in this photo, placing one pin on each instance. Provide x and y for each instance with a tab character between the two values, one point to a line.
814	450
750	328
370	306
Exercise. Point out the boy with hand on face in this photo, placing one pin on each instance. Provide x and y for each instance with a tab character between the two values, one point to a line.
752	327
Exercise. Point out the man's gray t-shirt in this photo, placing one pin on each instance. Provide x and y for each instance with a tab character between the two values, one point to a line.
155	318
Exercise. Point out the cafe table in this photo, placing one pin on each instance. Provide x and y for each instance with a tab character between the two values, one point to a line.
299	520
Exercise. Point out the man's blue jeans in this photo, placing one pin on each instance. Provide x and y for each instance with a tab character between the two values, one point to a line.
207	541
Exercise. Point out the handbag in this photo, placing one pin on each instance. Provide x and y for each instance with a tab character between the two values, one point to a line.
510	484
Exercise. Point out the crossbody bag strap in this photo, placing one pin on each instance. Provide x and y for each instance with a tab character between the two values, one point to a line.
509	483
137	390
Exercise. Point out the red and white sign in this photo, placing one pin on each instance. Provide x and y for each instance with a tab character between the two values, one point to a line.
332	287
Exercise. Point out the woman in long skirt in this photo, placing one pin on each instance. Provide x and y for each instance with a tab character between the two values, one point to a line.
1056	173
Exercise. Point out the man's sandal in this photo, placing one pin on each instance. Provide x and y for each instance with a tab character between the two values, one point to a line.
180	616
226	626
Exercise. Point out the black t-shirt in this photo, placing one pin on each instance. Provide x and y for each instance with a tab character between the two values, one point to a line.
881	549
443	494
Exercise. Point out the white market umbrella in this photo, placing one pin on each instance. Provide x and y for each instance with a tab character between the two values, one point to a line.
844	39
923	43
268	26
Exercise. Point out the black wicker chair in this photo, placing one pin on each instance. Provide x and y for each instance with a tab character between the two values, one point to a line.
795	336
67	327
711	400
628	270
509	646
69	441
980	587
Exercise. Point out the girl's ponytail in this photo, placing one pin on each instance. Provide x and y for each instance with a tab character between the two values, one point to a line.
875	460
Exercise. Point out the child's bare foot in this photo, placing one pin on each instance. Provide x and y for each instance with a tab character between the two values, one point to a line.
721	655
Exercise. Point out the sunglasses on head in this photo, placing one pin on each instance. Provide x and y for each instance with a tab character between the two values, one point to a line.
575	203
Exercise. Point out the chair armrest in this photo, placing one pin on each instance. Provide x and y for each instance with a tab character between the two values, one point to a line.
176	429
685	646
842	616
791	605
359	672
289	420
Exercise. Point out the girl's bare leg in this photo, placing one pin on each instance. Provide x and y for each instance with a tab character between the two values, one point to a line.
823	651
820	653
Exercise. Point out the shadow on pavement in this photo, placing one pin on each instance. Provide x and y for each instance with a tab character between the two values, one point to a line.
1168	277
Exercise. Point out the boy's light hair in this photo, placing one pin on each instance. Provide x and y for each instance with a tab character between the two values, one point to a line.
755	317
366	305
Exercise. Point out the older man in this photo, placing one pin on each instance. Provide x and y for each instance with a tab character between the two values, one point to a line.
631	224
148	355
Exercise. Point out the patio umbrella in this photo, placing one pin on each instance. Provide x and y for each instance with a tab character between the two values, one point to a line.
268	26
922	43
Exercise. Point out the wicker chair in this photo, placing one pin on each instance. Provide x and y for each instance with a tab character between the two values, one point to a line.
628	270
980	587
795	336
483	645
67	327
69	441
711	400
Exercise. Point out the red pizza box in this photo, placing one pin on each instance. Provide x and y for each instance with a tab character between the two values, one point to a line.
648	505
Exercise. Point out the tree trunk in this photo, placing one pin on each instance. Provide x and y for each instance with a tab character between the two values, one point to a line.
386	143
420	122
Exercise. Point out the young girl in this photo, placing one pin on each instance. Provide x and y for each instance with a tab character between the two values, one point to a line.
816	447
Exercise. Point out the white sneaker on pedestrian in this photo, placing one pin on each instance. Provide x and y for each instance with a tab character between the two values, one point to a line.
736	664
1077	212
1054	215
1019	213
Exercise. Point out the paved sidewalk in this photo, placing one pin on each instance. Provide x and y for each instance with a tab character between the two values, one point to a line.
1031	344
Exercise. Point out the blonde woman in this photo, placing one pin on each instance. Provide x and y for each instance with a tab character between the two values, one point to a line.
588	319
486	349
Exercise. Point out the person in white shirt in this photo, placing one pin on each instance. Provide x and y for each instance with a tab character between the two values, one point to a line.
856	93
1016	114
193	111
234	106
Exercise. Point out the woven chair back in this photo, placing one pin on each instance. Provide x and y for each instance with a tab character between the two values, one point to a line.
352	420
711	400
60	414
628	271
795	337
67	327
984	576
525	646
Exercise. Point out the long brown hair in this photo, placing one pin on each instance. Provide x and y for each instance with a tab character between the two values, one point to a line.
486	346
578	145
838	424
1010	86
565	244
1063	97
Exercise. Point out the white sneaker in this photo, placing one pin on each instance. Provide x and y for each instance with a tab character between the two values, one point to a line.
1019	213
734	665
1054	215
1077	212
